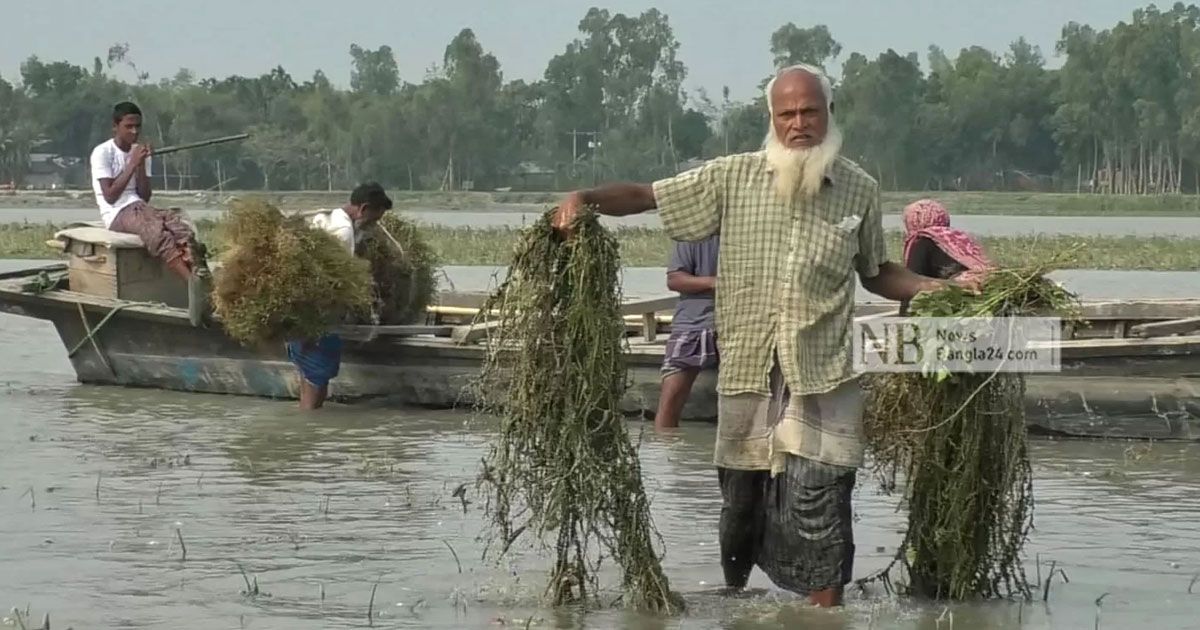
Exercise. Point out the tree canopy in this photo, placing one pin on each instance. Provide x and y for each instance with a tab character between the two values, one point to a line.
1121	114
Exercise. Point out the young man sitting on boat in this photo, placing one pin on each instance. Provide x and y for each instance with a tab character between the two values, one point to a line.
121	180
319	361
692	346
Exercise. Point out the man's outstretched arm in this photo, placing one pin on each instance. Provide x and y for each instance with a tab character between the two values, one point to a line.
615	200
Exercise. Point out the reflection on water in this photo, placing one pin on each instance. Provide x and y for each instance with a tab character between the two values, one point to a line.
318	509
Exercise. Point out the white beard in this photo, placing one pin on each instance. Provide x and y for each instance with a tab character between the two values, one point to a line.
801	170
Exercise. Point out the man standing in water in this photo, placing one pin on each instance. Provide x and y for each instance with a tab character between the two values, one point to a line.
320	361
692	346
121	180
797	222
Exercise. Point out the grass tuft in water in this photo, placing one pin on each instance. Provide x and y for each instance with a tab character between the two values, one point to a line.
554	372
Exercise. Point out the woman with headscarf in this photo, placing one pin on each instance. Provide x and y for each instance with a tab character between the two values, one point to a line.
932	248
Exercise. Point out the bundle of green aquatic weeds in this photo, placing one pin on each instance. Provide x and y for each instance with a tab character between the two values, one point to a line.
403	269
563	462
282	279
959	439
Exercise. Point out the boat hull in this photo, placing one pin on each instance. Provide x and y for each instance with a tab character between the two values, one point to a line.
1104	390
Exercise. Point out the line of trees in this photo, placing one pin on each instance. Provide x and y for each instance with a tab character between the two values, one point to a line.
1122	114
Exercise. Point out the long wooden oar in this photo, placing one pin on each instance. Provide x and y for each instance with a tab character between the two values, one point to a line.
202	143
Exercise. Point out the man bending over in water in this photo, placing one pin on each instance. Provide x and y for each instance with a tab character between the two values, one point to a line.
319	361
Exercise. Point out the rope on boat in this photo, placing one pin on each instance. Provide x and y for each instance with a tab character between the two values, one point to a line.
92	333
87	327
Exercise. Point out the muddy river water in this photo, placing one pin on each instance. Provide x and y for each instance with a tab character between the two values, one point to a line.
319	510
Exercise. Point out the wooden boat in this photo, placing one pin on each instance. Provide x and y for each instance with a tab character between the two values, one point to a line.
1132	372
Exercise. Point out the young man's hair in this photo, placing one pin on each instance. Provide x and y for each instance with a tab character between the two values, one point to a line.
372	194
123	109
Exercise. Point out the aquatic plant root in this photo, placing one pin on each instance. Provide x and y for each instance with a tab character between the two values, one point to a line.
959	440
563	462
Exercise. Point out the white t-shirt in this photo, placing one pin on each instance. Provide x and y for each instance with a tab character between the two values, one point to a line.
107	163
337	223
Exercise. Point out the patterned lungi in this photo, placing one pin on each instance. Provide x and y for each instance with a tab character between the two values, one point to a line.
796	526
163	232
786	494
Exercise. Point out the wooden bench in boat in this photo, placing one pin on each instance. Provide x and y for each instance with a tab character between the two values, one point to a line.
116	265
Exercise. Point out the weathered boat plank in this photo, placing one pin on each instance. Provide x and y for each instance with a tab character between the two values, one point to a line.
1170	327
368	332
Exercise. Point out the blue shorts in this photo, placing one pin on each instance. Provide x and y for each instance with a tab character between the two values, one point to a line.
317	361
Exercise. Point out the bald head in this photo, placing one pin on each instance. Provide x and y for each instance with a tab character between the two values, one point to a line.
799	99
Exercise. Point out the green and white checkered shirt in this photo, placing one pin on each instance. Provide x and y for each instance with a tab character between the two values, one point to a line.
785	274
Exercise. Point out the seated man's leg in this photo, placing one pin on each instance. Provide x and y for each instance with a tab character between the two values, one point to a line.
163	233
184	238
318	363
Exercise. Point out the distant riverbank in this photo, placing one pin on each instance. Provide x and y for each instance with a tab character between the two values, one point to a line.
291	200
648	247
969	203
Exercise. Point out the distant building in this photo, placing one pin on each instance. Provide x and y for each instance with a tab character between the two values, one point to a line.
49	171
532	176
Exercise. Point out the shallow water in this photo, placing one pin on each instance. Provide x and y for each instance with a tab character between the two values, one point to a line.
342	500
499	216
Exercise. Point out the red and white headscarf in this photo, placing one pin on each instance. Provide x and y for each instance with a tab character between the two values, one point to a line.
929	219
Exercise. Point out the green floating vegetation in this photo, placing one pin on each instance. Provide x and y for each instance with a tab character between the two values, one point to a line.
959	440
554	373
403	269
281	279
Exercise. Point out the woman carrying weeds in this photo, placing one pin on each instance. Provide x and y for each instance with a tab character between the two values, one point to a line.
933	248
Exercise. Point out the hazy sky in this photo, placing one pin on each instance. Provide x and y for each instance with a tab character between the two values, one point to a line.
723	42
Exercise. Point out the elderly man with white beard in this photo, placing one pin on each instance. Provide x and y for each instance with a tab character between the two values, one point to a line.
797	222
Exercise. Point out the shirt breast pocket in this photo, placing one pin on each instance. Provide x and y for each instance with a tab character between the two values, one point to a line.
834	246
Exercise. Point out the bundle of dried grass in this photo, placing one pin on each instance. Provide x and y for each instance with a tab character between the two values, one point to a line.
564	462
403	268
282	279
960	441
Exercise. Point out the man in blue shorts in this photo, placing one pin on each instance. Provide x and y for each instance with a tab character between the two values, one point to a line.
319	361
692	346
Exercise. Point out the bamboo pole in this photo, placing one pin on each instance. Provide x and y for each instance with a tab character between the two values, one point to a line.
201	143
